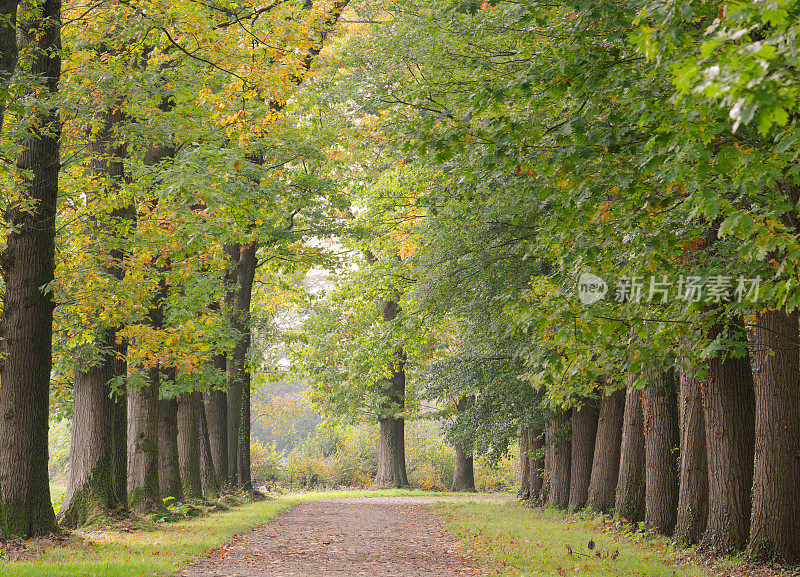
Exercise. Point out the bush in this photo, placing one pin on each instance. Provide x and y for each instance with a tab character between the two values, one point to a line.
502	476
337	455
266	464
429	460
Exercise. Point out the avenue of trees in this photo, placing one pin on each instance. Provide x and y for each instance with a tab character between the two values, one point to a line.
150	175
582	233
570	225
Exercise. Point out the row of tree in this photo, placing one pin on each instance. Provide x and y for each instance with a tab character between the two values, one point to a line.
150	170
583	216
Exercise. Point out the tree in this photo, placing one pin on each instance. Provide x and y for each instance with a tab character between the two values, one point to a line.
169	470
463	471
558	439
605	463
693	485
774	529
660	424
629	502
584	432
27	264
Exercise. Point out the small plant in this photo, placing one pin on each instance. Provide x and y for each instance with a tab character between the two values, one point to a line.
175	510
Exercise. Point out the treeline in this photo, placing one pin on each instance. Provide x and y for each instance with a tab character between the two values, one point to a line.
157	196
584	234
677	455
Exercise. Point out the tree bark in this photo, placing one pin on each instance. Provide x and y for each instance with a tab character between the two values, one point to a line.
208	473
392	451
8	50
693	486
660	406
169	473
547	474
605	463
559	440
144	493
584	432
90	485
463	471
524	464
629	503
188	444
536	464
120	434
28	263
239	376
234	394
775	524
729	415
216	411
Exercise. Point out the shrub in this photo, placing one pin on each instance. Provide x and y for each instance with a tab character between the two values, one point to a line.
266	464
501	476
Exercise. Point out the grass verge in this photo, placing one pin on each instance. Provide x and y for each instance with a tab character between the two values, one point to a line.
512	539
165	549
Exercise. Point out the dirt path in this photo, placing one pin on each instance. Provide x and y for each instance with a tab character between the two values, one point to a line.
384	536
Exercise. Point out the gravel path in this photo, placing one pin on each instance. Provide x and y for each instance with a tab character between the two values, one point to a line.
384	536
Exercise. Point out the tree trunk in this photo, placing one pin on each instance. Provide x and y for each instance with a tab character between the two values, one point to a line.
693	489
524	464
216	412
629	504
605	463
559	439
392	452
169	472
93	465
90	485
144	493
729	411
240	372
8	50
660	406
234	415
244	472
234	394
208	473
775	524
548	464
536	464
584	431
28	264
463	471
188	444
120	434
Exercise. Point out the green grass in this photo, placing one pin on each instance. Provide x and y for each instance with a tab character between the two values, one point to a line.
166	549
512	539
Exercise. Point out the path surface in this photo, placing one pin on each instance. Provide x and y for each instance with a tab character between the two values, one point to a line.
383	536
